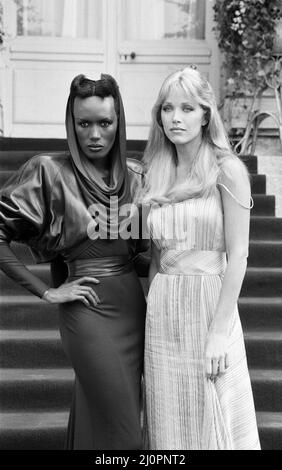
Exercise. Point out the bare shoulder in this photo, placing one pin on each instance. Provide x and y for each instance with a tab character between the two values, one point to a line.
233	182
234	173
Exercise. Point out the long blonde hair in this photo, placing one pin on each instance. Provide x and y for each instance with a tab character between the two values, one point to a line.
160	157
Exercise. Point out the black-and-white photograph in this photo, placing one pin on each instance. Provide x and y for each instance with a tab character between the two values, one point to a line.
140	227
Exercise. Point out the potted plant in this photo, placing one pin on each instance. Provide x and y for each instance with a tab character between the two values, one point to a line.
246	32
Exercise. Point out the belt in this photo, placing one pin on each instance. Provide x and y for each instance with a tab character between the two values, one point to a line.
100	267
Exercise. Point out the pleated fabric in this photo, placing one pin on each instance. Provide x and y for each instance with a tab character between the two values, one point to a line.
183	408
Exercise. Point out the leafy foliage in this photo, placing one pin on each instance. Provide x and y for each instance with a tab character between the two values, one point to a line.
246	32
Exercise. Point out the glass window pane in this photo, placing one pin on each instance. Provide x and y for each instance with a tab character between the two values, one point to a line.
59	18
163	19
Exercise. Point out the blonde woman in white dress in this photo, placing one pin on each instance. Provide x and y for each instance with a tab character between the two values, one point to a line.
198	393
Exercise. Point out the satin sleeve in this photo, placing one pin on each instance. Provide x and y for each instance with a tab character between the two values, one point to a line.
23	203
23	218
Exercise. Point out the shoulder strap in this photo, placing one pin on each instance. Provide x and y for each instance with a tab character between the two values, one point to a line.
235	198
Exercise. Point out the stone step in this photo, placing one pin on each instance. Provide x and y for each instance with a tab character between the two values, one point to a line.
43	389
47	430
35	389
31	348
51	144
263	205
11	159
267	389
264	348
260	312
265	228
33	430
27	312
270	430
9	286
33	144
265	254
265	282
258	184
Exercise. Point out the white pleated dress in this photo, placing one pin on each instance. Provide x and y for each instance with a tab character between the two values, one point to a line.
183	408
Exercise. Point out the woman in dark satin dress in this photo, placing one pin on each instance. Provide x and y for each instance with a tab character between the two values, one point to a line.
52	204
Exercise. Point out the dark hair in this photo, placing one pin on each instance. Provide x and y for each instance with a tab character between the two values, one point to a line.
83	87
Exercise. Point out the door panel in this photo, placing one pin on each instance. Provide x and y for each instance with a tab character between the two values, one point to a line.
158	37
55	40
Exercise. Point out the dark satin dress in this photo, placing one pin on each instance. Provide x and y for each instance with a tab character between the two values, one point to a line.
105	346
44	207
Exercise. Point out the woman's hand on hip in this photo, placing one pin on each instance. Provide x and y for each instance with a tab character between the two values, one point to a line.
75	290
216	355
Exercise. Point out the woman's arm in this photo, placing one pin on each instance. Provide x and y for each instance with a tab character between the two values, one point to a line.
17	271
67	292
24	205
236	230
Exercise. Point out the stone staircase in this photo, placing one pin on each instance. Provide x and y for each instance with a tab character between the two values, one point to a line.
35	376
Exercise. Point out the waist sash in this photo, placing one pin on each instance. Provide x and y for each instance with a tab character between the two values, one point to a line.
100	267
192	262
